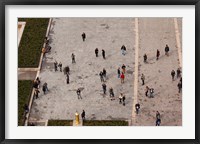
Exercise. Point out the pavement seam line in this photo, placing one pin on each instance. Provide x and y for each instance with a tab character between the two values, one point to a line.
178	43
135	94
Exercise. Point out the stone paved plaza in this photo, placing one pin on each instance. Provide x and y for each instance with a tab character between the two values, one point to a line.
110	34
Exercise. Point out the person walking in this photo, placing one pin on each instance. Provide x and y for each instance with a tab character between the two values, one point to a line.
122	77
104	88
167	50
83	115
55	66
66	70
44	89
123	99
104	74
101	76
60	65
179	87
147	90
158	119
123	50
145	58
157	115
83	36
96	52
36	93
157	54
142	78
178	71
172	74
111	93
73	58
137	108
123	68
118	72
79	93
103	54
151	92
120	98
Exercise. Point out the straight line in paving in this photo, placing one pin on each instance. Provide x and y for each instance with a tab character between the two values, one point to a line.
178	42
135	96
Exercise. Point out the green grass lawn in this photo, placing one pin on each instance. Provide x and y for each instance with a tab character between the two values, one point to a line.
60	122
105	123
24	92
32	40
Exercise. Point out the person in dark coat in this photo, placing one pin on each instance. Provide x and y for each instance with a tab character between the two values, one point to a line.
137	108
145	58
103	54
73	58
104	88
79	93
173	74
167	50
83	115
157	54
55	65
123	99
178	71
60	65
179	87
96	52
101	76
36	93
118	72
104	74
83	36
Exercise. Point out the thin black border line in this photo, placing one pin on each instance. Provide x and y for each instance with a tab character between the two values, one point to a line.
98	2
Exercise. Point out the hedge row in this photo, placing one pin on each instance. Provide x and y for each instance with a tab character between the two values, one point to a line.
24	92
60	122
105	123
32	40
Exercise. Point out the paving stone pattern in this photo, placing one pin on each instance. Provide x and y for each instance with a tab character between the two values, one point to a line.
110	34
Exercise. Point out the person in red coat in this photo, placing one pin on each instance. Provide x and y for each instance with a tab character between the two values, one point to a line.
122	77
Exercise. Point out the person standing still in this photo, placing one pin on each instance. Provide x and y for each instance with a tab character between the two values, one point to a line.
79	93
167	50
104	88
83	115
96	52
83	36
123	99
73	58
145	58
118	72
173	74
60	65
103	54
142	78
122	77
157	54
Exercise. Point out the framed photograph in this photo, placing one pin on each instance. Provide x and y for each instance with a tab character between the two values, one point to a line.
99	71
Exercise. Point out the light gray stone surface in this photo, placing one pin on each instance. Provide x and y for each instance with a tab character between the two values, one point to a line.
102	33
110	34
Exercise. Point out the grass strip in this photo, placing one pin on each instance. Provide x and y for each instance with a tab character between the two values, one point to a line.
32	40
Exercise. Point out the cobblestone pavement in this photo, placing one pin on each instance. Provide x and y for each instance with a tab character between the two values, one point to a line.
110	34
102	33
155	34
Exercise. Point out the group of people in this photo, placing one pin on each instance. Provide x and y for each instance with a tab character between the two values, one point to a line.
120	74
149	92
157	54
